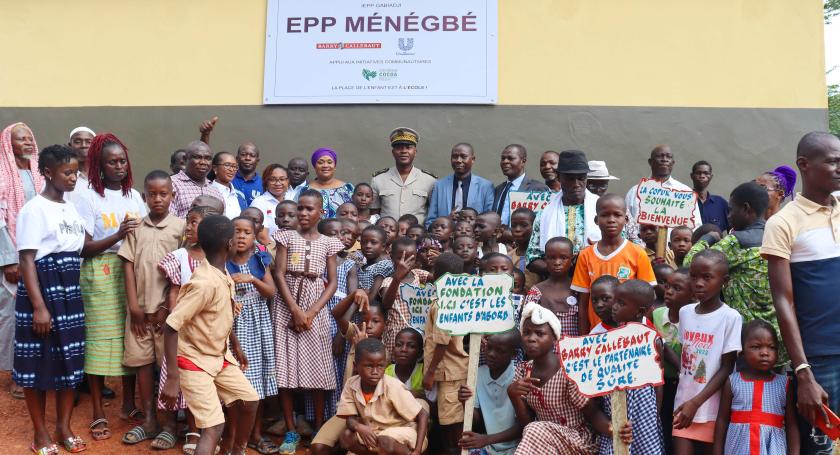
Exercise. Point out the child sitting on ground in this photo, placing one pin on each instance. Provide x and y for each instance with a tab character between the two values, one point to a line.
382	416
492	405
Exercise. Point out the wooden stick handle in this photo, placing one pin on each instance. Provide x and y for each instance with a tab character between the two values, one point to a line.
472	379
618	408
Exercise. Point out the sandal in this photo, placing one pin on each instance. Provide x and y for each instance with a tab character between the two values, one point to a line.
99	434
189	447
51	449
164	441
134	416
137	434
265	446
17	392
74	444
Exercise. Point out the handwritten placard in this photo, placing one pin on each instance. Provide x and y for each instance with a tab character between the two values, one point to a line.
419	299
620	359
534	200
666	207
474	304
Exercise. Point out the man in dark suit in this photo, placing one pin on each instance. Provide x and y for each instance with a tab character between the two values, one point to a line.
462	189
514	157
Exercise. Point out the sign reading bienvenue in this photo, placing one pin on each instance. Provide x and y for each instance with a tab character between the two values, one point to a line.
534	200
665	207
411	51
418	299
620	359
474	304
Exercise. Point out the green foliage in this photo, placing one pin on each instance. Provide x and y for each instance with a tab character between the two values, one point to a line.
831	9
834	109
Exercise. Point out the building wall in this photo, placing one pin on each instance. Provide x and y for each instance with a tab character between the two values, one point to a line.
733	81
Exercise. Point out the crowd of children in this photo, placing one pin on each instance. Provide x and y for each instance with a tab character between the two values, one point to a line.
280	317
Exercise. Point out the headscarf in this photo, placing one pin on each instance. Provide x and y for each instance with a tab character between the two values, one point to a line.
786	176
12	197
540	315
81	129
317	154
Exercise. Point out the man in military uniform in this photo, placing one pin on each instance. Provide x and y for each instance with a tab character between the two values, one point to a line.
402	189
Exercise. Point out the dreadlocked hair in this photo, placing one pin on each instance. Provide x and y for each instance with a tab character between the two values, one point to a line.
94	162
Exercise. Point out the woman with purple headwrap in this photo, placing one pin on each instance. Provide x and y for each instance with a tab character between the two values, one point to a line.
334	191
779	184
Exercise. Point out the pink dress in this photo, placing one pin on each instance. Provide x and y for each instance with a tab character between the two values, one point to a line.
304	359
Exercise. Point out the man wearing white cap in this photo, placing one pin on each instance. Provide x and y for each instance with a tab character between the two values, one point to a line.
80	139
598	178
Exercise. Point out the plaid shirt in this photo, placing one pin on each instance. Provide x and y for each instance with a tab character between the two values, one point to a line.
186	190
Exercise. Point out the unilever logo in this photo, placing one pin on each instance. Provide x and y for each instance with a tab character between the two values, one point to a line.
369	74
405	45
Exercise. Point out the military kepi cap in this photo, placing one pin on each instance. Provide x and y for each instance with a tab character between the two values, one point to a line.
403	135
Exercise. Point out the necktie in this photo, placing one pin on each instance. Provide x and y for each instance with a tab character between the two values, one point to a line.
459	197
503	197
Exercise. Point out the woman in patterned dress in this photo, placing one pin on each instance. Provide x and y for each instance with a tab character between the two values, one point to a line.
334	192
299	315
555	293
252	326
540	388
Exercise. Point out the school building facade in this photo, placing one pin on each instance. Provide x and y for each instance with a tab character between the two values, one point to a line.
735	82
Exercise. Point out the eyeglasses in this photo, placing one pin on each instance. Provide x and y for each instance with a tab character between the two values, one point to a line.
278	179
229	166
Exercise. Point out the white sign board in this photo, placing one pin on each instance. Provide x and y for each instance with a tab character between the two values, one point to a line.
410	51
418	299
474	304
534	200
621	359
665	207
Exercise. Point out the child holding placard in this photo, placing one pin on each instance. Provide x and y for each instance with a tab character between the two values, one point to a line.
710	334
756	398
555	293
632	300
403	253
612	255
446	362
554	416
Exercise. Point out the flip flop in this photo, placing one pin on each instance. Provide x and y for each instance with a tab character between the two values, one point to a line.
134	416
265	446
51	449
16	392
164	441
137	435
99	434
74	444
189	447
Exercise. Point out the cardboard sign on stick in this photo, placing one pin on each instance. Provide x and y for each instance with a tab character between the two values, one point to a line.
474	304
665	207
534	200
419	299
621	359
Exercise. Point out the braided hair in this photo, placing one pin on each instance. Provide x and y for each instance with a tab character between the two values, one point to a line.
94	162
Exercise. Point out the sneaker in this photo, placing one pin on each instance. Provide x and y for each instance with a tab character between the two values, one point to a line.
303	427
290	443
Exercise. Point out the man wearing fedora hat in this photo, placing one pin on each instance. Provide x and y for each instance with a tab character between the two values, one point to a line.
404	188
598	179
570	213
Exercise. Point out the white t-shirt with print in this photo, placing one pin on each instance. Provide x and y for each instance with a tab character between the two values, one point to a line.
49	227
705	339
103	215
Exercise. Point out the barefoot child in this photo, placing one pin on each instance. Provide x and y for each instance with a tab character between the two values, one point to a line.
299	315
492	405
603	299
757	397
159	233
555	293
382	416
196	337
710	334
612	255
252	326
403	253
50	329
633	298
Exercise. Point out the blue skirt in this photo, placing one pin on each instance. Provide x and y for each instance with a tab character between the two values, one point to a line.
56	361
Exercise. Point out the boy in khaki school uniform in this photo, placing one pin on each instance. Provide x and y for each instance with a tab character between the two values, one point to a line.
196	346
382	416
145	288
446	363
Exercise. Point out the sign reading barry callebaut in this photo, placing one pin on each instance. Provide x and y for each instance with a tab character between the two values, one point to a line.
411	51
536	201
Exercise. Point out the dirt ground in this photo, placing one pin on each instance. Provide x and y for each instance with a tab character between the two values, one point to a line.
16	430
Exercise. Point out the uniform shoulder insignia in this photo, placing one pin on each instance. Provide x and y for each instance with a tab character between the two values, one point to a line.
380	172
428	173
